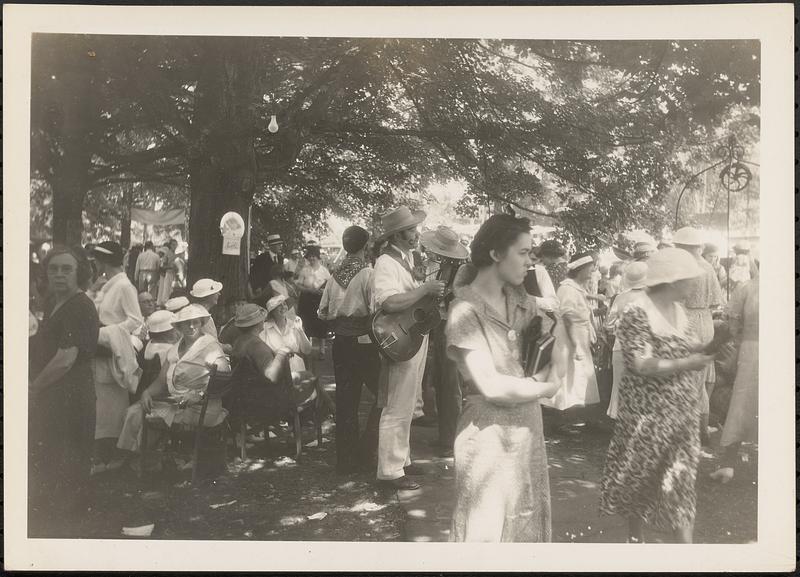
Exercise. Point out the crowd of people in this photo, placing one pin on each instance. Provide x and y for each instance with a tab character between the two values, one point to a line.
118	343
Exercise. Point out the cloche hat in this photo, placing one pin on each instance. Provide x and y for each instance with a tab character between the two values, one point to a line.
670	265
249	314
160	322
176	303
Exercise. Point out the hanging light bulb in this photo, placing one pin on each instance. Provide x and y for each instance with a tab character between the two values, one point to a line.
273	124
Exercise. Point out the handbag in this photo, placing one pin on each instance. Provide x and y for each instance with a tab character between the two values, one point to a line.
537	346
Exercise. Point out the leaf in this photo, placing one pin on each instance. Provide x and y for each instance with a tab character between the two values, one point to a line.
218	505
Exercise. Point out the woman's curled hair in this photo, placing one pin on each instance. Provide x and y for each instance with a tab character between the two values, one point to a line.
84	271
498	233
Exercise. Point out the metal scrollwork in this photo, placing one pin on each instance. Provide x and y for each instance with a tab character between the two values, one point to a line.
735	176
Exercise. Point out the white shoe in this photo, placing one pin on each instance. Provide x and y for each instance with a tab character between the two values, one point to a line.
723	475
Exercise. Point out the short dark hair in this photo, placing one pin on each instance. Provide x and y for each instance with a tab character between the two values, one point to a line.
354	238
148	244
312	251
84	271
498	233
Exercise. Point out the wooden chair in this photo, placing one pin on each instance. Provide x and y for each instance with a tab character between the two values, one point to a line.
257	402
219	385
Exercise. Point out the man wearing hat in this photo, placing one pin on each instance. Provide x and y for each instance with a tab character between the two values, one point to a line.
115	367
205	293
345	305
443	245
262	264
703	295
396	286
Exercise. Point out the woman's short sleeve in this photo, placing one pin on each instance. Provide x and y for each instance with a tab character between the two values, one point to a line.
634	333
570	305
80	326
464	330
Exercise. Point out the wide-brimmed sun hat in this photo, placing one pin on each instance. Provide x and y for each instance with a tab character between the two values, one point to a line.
688	236
670	265
635	275
399	219
445	242
249	314
205	287
189	313
275	302
176	303
160	322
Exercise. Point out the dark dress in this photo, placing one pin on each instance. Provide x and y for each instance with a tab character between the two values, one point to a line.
62	418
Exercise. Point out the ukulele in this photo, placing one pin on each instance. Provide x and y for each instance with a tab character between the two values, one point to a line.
399	335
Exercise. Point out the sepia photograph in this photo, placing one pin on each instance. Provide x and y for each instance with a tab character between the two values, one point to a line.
294	289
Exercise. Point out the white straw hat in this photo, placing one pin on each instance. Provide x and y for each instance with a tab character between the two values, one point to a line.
688	236
635	275
670	265
176	303
275	302
160	322
205	287
189	313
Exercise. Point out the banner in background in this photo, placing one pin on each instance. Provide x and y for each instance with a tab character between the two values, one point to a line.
161	218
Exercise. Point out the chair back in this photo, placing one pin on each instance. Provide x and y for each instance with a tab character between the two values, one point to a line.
219	383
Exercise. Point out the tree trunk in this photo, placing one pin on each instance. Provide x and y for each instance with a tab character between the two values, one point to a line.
71	180
222	170
125	221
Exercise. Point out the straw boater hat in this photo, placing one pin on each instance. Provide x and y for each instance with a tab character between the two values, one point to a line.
399	219
670	265
189	313
160	322
274	239
249	314
688	236
275	302
205	287
580	260
635	274
175	304
444	241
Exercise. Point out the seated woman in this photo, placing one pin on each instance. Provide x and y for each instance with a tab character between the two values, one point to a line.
283	330
278	285
176	394
271	367
162	335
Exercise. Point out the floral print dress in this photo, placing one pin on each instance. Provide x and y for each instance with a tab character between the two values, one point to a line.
651	463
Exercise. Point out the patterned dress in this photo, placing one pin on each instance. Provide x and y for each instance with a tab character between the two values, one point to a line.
651	463
502	484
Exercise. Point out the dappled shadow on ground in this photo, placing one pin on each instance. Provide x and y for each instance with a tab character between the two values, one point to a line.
576	455
269	496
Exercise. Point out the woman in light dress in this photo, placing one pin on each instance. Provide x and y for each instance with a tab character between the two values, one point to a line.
502	485
635	274
572	367
176	394
311	282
